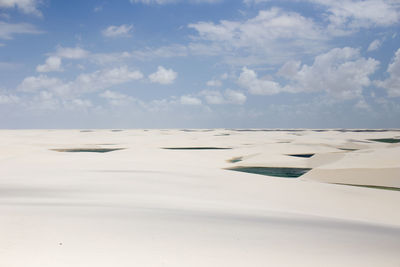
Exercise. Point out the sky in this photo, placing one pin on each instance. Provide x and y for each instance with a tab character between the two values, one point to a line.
199	64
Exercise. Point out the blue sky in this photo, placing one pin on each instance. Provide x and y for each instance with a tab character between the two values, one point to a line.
200	64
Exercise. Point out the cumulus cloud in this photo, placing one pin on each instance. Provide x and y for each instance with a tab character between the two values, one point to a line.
190	100
275	35
161	52
215	83
362	104
84	83
163	2
249	80
41	82
346	16
350	14
118	31
148	2
267	25
106	58
235	97
229	96
248	2
163	76
115	98
341	72
272	36
392	84
71	52
25	6
51	64
374	45
8	30
7	98
81	103
106	78
289	69
77	53
97	58
213	97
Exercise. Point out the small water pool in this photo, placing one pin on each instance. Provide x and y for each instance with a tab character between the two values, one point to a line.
197	148
283	172
93	150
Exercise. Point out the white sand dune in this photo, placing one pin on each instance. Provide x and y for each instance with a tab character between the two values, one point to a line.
148	206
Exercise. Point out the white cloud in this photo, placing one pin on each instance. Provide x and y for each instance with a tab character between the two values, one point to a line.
346	16
392	84
213	97
361	104
52	64
84	83
106	58
7	30
374	45
214	83
248	2
267	25
163	2
71	52
148	2
115	98
207	49
118	31
289	69
190	100
113	95
341	72
26	6
44	100
6	98
41	82
273	36
161	52
249	80
103	79
228	97
81	103
163	76
235	97
205	1
98	58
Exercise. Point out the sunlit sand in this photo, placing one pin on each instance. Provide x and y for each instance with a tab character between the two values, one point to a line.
171	198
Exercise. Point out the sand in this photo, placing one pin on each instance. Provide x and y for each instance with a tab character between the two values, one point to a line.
148	206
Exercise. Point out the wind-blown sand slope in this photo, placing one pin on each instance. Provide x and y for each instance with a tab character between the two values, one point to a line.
148	206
